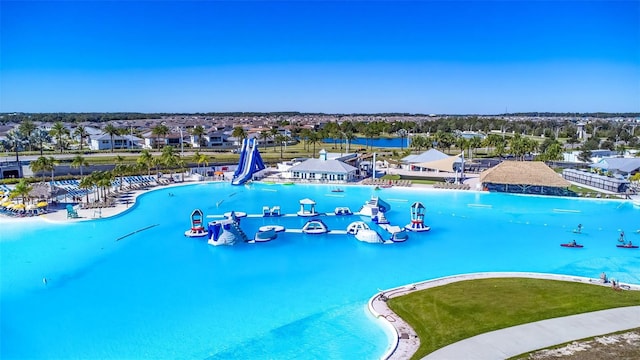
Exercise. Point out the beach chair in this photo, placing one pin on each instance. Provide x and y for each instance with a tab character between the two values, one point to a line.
275	211
71	212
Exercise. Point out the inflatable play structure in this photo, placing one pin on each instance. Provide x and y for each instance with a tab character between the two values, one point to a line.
417	218
197	227
250	162
227	231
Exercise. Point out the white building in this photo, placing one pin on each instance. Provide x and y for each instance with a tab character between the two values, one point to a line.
103	142
212	139
323	170
596	155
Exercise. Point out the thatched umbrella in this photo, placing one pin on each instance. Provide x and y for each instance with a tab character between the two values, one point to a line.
46	191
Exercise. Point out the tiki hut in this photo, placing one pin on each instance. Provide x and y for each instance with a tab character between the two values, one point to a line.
45	191
525	177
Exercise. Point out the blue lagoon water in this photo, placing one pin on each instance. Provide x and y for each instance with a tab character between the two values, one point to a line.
157	294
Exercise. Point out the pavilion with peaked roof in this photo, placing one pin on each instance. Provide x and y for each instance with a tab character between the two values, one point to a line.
525	177
323	170
429	155
445	164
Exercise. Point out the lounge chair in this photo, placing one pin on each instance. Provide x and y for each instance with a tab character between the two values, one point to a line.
71	212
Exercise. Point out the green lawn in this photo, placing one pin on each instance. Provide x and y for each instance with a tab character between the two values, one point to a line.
447	314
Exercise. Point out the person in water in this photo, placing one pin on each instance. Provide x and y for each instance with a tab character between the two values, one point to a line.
621	239
579	230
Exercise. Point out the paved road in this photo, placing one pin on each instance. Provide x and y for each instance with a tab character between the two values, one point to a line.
505	343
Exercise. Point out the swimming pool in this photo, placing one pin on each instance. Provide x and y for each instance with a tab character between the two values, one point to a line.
157	294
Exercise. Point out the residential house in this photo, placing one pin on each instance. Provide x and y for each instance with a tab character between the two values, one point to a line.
103	142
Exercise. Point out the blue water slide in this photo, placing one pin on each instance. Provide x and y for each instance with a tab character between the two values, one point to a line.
214	230
247	166
243	155
252	163
259	164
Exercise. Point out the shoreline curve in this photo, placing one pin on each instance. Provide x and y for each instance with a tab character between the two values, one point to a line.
406	342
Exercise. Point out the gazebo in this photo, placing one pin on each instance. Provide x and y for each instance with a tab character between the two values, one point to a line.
307	208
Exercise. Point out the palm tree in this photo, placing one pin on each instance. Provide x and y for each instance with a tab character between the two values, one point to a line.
196	156
87	184
199	132
81	133
102	180
38	165
118	170
146	159
349	136
553	152
264	135
27	127
50	164
104	183
369	133
280	139
585	155
273	132
462	143
111	130
182	165
157	163
40	136
79	162
160	131
418	142
59	131
169	158
304	135
239	133
15	141
402	134
203	159
200	159
22	189
314	138
474	143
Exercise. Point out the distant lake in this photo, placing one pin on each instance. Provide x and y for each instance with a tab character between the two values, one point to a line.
376	142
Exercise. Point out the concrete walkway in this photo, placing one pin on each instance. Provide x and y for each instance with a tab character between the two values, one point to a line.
508	342
516	340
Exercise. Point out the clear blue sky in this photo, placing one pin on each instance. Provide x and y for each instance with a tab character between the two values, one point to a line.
320	56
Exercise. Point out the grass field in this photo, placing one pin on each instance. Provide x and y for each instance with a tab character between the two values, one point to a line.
446	314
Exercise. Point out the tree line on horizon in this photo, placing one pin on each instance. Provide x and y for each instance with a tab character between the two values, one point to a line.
112	116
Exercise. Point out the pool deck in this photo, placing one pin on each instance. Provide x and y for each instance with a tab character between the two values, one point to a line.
504	343
123	202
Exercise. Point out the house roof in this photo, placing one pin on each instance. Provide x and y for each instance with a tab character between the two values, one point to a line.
325	166
535	173
621	164
429	155
104	136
